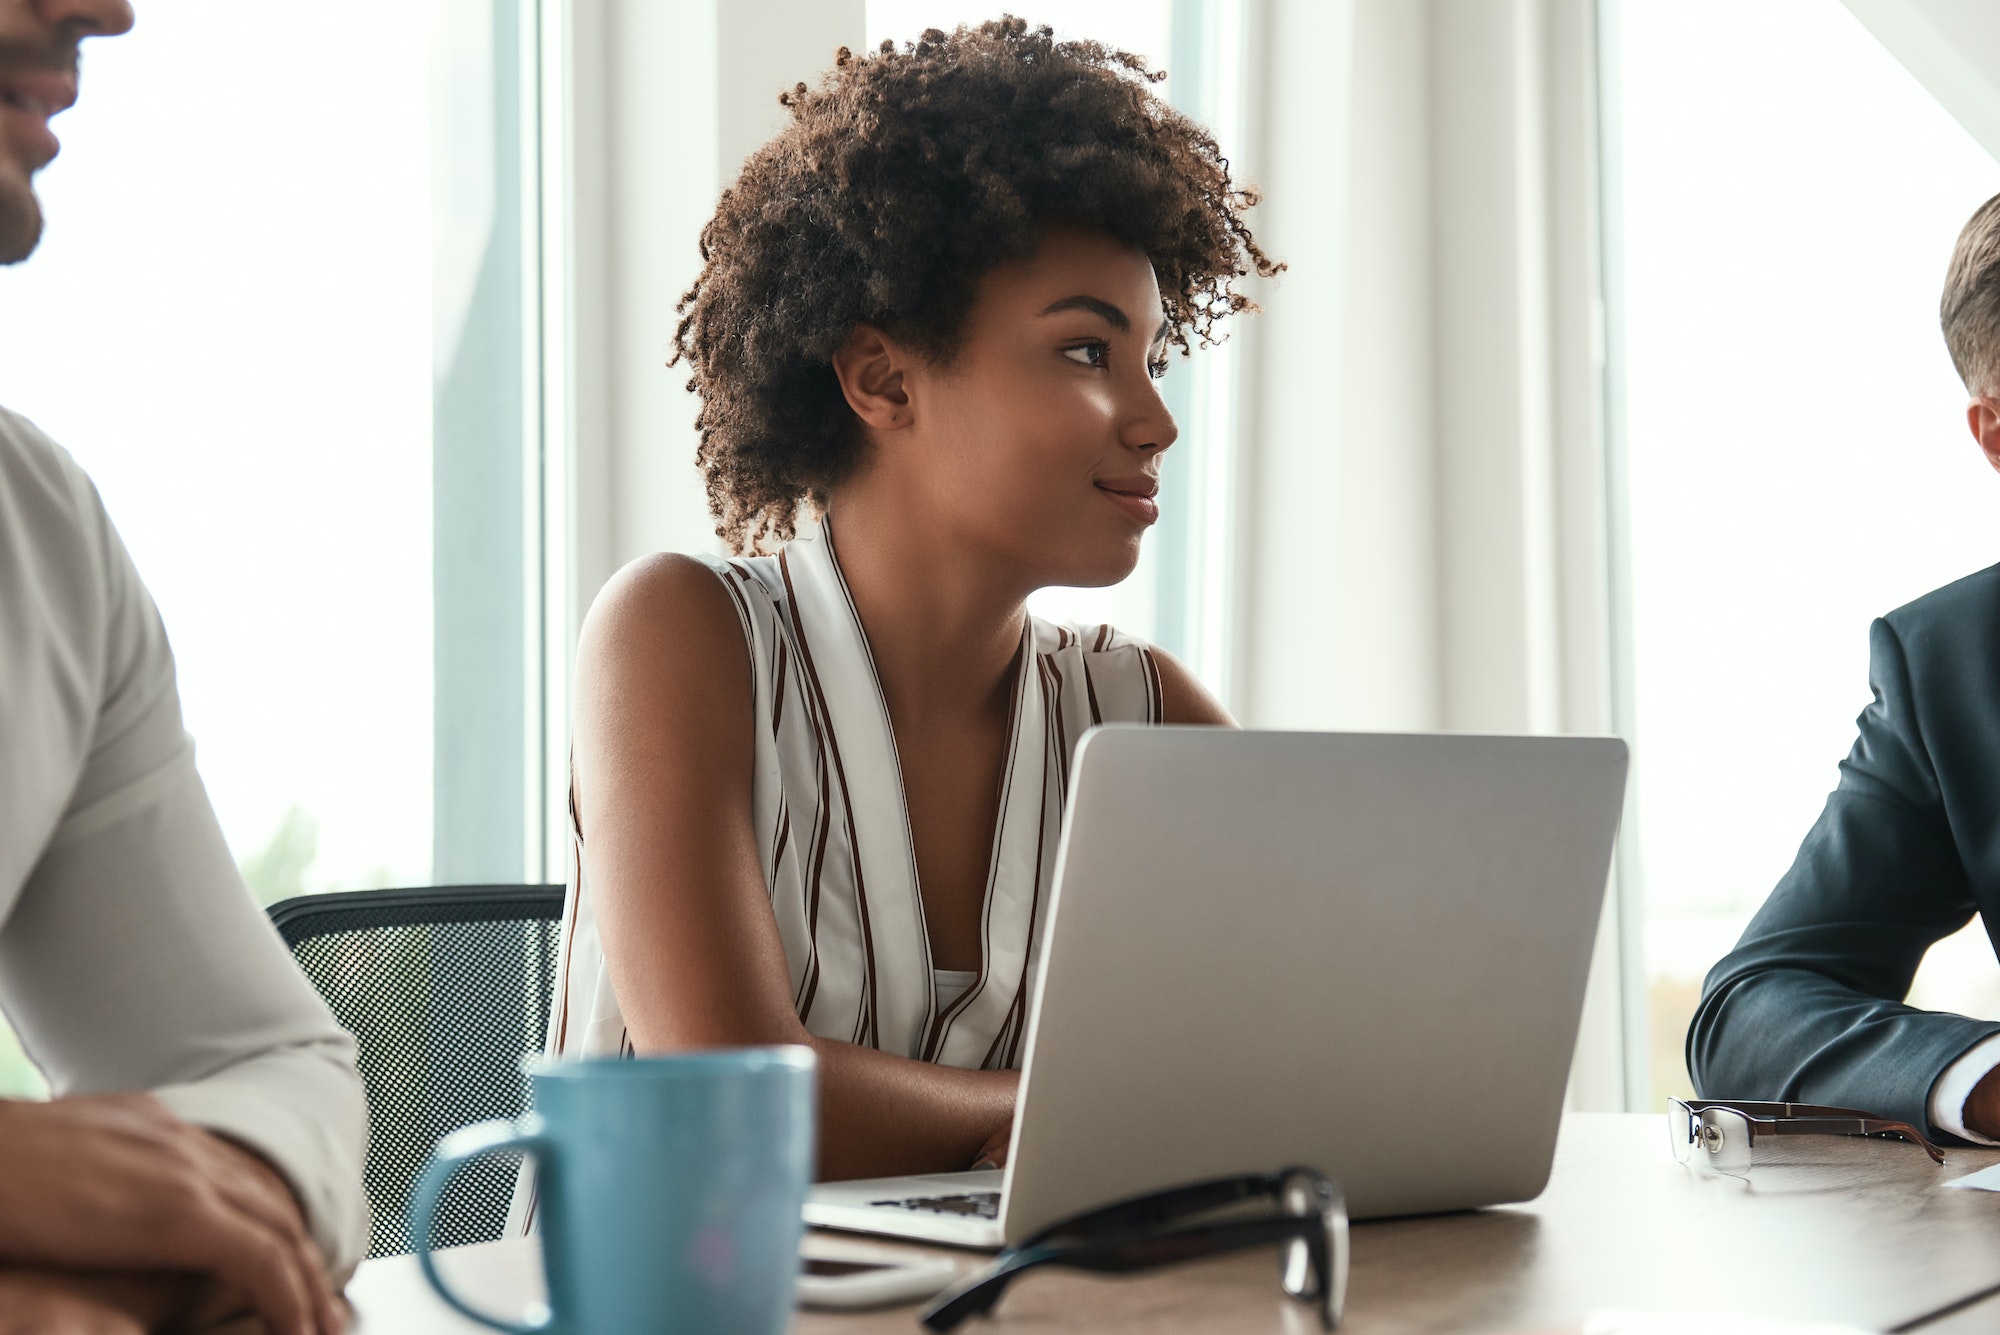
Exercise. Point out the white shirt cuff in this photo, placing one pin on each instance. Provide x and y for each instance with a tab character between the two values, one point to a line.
294	1108
1954	1087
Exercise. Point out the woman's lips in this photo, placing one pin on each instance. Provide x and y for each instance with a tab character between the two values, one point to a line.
1135	499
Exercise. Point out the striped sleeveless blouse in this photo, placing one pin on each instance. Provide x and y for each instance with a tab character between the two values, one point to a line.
834	836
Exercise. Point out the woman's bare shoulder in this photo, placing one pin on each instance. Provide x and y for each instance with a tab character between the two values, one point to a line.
1183	699
664	626
666	586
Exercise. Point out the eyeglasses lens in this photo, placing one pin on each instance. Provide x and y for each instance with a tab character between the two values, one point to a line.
1301	1276
1315	1266
1723	1136
1680	1129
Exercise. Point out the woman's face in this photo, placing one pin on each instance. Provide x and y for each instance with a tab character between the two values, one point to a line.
1040	441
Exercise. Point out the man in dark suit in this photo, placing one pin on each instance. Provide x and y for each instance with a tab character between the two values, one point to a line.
1809	1006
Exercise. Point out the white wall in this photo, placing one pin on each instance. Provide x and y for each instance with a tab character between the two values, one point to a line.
1424	541
1338	590
1385	517
1288	462
1950	46
1491	368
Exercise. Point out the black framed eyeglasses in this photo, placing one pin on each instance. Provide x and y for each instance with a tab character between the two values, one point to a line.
1730	1135
1146	1231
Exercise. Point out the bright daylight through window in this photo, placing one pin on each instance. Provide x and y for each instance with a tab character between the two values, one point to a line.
314	441
1795	441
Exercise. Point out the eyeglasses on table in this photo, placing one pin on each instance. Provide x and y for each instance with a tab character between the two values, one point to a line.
1732	1135
1146	1231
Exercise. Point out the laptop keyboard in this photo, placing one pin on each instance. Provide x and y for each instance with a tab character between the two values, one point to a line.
975	1204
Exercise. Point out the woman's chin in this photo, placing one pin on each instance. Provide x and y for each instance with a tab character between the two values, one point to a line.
1098	572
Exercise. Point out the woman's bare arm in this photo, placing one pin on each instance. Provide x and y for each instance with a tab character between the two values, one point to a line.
1183	699
664	753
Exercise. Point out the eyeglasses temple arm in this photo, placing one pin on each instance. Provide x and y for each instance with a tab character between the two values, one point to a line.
1851	1126
1186	1244
1157	1208
1770	1108
976	1296
1120	1256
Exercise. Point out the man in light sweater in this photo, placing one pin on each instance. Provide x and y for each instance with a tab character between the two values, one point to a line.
203	1149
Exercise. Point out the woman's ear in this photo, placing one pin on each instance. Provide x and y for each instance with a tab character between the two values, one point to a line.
870	365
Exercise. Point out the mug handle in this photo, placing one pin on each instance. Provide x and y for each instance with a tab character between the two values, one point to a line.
467	1143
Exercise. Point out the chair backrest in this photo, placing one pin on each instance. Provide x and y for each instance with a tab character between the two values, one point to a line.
445	990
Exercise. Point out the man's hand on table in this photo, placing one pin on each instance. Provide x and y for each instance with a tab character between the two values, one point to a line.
49	1301
116	1183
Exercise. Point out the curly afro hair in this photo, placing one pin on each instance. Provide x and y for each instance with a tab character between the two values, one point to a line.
903	179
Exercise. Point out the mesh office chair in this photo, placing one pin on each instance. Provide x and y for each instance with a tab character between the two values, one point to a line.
445	990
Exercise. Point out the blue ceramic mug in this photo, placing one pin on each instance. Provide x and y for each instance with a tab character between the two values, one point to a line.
669	1190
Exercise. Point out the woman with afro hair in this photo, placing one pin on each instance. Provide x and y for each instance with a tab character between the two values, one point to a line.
817	786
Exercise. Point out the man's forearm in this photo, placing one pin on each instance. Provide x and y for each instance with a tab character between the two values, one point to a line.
249	1051
1798	1035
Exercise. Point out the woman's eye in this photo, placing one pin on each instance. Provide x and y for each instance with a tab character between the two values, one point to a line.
1157	369
1090	354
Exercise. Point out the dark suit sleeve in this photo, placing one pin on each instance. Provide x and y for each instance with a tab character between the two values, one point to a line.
1808	1007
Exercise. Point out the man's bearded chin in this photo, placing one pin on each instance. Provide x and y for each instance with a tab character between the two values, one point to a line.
20	211
20	222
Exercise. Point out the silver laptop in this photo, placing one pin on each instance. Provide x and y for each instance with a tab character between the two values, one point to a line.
1365	953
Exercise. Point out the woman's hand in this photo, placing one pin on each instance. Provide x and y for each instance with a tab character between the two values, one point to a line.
993	1154
115	1182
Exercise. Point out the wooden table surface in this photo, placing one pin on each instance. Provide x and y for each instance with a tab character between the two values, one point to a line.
1979	1316
1868	1236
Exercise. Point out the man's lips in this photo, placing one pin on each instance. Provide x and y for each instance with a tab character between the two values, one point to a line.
28	98
1134	496
45	93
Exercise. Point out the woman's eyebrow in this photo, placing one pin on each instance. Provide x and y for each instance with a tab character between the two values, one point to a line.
1097	306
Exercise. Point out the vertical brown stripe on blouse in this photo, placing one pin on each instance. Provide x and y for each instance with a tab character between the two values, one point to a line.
822	819
783	657
1155	700
816	861
742	606
1059	729
778	845
940	1025
865	1028
558	1032
1053	712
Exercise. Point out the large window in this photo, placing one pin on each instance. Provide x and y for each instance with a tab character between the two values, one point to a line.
1782	200
282	315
